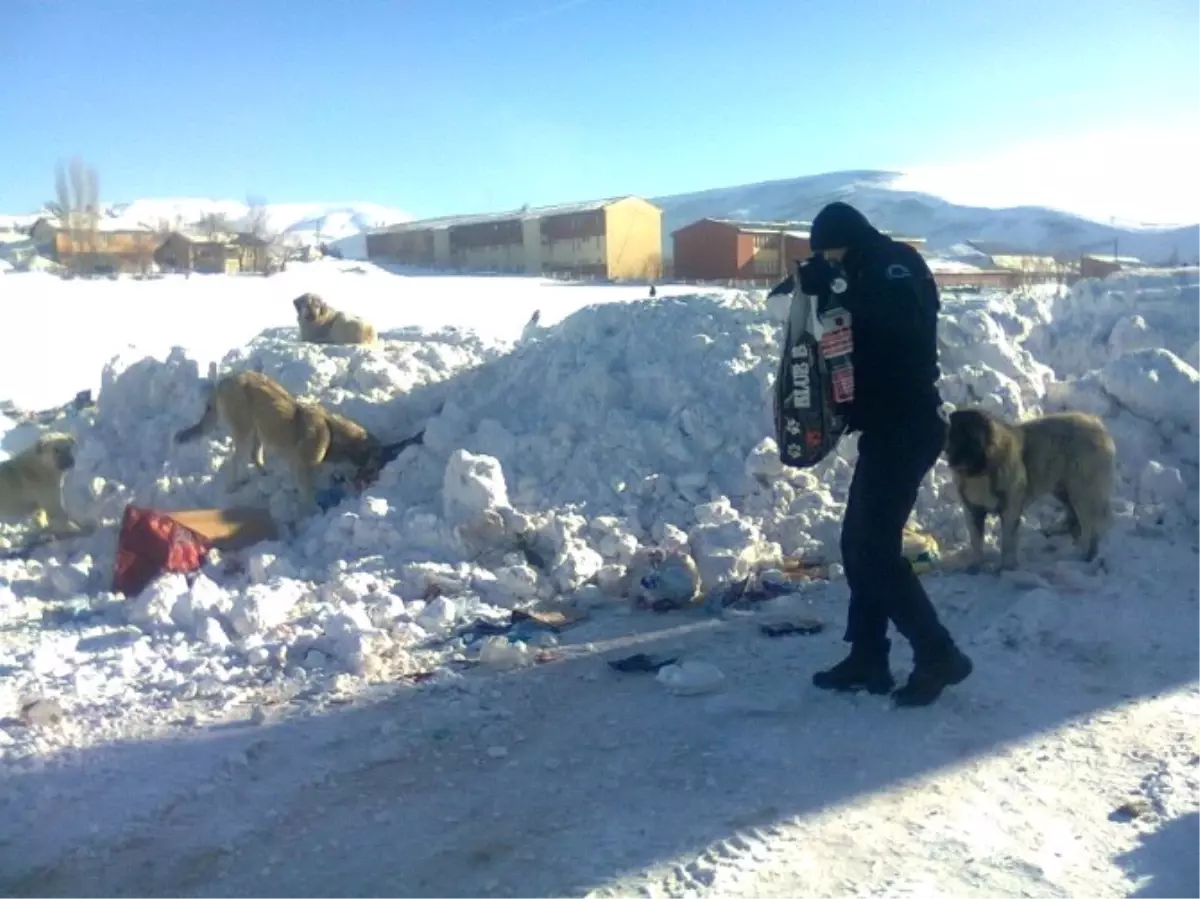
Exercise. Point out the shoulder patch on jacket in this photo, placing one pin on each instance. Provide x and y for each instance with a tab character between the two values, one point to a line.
898	272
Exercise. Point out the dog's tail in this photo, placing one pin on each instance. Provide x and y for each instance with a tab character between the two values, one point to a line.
390	451
207	422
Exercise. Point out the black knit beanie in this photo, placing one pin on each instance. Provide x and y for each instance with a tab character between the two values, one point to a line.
840	225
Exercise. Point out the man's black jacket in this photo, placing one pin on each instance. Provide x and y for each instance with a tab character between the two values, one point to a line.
893	301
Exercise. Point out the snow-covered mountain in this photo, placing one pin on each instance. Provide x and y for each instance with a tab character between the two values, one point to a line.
882	197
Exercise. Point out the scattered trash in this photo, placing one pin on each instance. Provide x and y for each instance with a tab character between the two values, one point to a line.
73	611
639	662
1134	808
42	712
332	495
803	626
553	619
663	580
501	653
755	588
921	550
805	570
691	678
522	626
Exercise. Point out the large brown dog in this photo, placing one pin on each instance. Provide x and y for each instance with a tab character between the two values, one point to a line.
321	323
31	483
1002	468
259	412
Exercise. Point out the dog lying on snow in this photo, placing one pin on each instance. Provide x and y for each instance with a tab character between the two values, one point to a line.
31	484
321	323
259	412
1002	468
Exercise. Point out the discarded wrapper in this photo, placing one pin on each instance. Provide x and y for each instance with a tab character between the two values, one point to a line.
803	626
639	662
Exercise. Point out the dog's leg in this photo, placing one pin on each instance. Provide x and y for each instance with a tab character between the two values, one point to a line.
57	521
259	460
1092	520
306	480
1070	521
976	517
1011	508
236	462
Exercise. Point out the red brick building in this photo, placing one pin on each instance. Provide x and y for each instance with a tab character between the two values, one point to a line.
749	251
729	250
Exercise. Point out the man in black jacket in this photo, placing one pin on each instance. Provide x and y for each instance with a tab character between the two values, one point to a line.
893	302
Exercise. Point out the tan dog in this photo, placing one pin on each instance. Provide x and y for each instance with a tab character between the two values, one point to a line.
31	483
1002	468
259	413
321	323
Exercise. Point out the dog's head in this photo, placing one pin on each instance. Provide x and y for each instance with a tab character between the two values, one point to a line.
56	450
310	307
969	441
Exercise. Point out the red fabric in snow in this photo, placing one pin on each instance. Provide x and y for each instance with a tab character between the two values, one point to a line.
153	543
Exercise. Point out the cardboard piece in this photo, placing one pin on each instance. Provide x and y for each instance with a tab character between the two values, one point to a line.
229	529
551	619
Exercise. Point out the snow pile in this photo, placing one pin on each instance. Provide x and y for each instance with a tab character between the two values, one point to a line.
570	466
1125	348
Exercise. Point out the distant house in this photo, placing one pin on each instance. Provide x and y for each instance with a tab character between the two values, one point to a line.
1102	266
951	274
96	246
618	238
212	253
1029	266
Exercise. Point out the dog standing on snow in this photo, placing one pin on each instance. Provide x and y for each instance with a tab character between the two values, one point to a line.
321	323
1002	468
31	483
259	412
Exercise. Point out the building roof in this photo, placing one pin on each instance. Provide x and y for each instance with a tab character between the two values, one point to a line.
106	225
1119	260
531	212
953	267
240	238
755	226
995	248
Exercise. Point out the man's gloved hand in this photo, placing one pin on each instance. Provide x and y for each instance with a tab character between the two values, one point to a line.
816	276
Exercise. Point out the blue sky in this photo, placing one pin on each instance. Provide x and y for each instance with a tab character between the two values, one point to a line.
443	106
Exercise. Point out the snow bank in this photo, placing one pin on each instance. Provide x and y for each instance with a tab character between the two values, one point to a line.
1125	348
551	467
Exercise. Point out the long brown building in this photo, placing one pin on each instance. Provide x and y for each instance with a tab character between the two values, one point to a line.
618	238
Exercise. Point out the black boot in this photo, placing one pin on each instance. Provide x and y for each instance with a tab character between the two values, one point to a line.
864	669
933	673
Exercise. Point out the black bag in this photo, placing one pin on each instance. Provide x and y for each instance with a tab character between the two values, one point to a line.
811	396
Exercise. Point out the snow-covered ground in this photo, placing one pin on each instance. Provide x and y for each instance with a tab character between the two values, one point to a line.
309	718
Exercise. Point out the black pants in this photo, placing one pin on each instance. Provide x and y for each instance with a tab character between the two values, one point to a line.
892	462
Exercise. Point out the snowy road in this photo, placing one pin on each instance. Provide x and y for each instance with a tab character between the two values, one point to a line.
569	778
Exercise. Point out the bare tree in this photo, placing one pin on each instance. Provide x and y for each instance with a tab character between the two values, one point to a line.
164	226
77	207
214	223
256	217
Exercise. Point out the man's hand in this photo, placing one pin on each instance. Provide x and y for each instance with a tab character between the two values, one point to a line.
816	276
